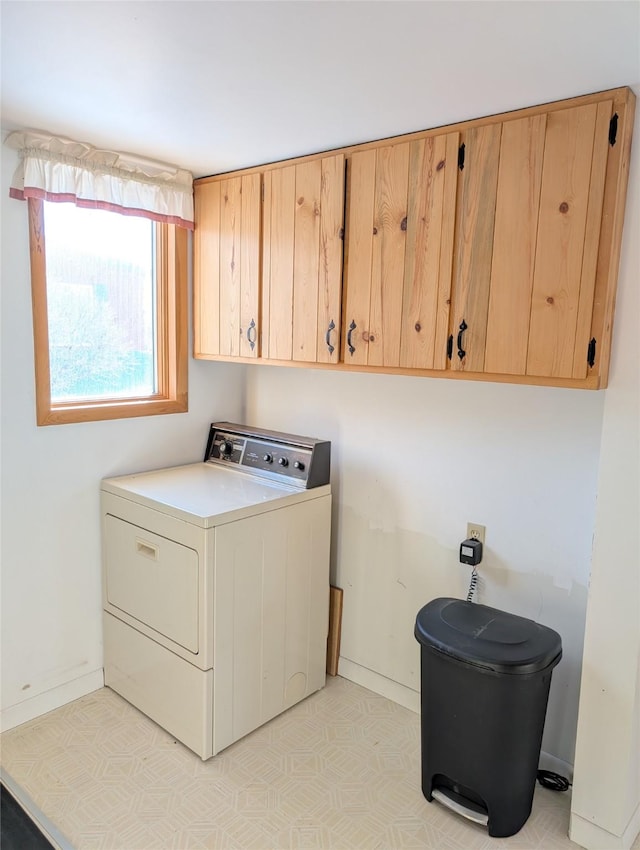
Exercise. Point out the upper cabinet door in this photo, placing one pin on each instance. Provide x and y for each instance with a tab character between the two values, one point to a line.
433	176
227	267
389	239
474	245
569	219
376	239
358	257
527	243
400	227
302	260
514	245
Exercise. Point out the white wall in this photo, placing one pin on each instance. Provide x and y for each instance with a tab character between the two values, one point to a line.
51	627
607	813
414	459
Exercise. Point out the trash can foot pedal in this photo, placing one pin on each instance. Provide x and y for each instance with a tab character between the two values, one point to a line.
467	811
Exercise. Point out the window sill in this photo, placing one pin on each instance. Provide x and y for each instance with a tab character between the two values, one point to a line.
62	414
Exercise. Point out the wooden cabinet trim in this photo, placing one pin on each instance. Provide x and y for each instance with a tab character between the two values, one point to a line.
592	239
206	270
615	196
592	382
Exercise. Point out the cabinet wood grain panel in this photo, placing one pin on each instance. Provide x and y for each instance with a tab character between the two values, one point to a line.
389	241
592	239
359	250
265	299
561	231
283	189
330	260
477	189
446	251
306	259
250	265
206	259
302	259
230	247
615	195
514	245
429	250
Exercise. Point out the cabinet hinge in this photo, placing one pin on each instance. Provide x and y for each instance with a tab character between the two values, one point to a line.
613	129
450	347
591	352
461	157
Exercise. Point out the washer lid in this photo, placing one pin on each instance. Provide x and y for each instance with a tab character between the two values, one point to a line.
487	637
206	495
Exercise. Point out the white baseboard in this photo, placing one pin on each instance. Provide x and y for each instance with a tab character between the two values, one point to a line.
379	684
593	837
411	699
15	715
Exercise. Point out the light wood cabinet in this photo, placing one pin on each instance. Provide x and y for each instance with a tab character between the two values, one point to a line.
529	218
473	248
302	260
400	229
227	267
376	234
486	250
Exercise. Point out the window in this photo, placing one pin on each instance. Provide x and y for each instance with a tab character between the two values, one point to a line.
109	308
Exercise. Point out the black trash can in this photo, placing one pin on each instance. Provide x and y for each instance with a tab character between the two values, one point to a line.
485	677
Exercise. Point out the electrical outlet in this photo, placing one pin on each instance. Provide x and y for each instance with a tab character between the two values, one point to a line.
475	532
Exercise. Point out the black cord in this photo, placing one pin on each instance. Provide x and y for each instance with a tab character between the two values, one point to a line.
472	585
553	781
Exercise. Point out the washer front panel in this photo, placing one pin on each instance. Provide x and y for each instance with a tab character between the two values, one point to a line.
216	589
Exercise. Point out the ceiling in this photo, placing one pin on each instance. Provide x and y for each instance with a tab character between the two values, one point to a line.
215	86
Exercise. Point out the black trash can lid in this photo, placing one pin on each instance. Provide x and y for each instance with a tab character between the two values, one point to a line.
487	637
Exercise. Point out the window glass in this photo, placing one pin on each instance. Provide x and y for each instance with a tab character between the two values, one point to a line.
101	304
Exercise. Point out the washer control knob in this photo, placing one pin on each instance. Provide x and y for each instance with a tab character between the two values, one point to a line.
298	464
268	458
283	461
225	448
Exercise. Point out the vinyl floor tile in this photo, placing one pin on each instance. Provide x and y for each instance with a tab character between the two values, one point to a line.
339	771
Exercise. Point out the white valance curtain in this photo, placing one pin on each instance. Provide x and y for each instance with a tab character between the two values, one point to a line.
57	169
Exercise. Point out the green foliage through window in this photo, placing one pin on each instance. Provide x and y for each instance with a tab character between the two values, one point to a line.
100	303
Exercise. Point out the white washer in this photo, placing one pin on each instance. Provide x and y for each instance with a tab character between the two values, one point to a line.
216	584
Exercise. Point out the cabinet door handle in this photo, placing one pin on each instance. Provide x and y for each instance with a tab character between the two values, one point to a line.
352	328
252	334
332	327
462	329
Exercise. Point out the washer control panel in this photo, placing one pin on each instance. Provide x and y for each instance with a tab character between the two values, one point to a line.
302	461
